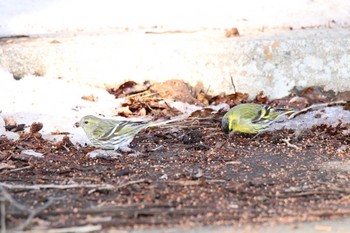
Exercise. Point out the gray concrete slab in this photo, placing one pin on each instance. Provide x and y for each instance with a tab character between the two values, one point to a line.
273	61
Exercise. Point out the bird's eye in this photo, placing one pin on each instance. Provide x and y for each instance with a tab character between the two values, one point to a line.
86	122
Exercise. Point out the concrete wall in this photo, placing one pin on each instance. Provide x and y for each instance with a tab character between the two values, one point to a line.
103	42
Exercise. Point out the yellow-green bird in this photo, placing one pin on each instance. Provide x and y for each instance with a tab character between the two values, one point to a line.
250	118
113	134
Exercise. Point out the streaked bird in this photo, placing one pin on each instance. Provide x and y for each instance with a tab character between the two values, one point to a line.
113	134
251	118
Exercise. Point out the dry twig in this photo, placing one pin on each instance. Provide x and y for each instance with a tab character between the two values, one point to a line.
132	182
315	106
192	182
79	229
16	169
287	141
32	212
55	186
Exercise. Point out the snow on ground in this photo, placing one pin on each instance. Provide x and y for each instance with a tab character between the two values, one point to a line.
55	103
58	105
57	16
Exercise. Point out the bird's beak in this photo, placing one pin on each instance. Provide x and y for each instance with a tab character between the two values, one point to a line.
77	124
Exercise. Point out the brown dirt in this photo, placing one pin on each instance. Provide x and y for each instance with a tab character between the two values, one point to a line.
194	175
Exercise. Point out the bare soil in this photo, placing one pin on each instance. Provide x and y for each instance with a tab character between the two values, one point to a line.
193	175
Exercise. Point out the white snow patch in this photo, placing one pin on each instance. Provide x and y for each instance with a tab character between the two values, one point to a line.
58	105
328	116
55	103
42	16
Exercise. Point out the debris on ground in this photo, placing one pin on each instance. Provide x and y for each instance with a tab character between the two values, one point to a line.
193	174
185	173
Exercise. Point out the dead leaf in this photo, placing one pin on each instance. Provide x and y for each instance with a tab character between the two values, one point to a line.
176	90
261	98
142	112
298	102
315	94
128	88
345	95
91	98
231	99
124	111
203	98
157	104
202	113
65	143
35	127
233	32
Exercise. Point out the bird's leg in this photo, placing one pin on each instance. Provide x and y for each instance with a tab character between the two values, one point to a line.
258	134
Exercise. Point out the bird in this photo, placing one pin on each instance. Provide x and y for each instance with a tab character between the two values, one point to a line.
109	134
251	118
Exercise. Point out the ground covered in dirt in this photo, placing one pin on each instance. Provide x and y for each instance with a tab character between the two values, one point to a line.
192	174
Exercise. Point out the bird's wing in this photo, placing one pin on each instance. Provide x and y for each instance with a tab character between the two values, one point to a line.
106	129
268	114
263	114
254	111
123	127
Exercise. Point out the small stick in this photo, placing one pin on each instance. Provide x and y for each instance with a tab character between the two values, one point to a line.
16	169
132	182
233	84
314	106
78	229
33	213
53	186
287	141
9	198
206	92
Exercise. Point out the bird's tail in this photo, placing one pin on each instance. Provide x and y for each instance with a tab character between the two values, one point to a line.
163	122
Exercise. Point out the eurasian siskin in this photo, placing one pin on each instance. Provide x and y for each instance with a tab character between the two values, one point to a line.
113	134
251	118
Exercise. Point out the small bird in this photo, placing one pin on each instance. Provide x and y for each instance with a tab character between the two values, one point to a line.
250	118
113	134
